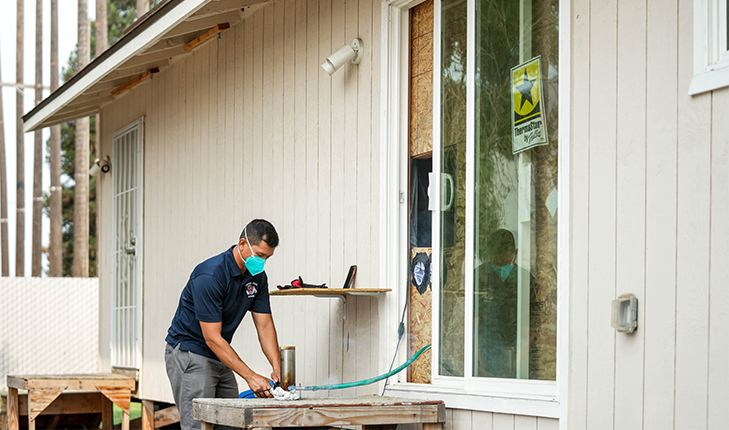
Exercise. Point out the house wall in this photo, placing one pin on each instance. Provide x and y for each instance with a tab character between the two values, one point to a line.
649	216
248	126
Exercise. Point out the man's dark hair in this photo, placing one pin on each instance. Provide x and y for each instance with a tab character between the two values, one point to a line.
260	230
501	242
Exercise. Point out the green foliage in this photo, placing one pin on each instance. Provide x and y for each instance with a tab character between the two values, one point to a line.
121	14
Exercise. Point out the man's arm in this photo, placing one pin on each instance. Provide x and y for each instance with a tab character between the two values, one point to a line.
222	349
269	342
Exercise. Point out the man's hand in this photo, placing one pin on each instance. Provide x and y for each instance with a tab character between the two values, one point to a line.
276	376
257	383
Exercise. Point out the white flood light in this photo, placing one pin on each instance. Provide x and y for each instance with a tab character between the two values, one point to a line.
352	52
100	166
625	313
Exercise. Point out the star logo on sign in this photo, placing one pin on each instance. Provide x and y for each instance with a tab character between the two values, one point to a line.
525	89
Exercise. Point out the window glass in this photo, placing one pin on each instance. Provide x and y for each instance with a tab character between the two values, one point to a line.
515	231
453	186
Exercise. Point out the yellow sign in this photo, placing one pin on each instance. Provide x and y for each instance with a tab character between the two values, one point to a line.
529	124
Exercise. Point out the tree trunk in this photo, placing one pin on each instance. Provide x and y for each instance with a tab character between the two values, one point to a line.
38	150
3	196
81	198
142	7
55	256
20	158
102	39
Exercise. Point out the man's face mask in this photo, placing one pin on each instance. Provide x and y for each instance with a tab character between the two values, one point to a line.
254	263
503	271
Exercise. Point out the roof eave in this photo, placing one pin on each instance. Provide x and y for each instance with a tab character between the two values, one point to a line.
142	36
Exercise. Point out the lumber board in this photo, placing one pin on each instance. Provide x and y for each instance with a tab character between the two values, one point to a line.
203	24
318	412
206	36
83	382
120	396
167	416
107	413
66	403
327	291
134	82
4	412
13	415
38	400
147	415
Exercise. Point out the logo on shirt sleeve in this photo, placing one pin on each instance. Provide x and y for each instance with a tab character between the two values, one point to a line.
251	289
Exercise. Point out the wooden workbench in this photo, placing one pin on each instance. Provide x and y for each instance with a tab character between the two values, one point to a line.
372	412
44	389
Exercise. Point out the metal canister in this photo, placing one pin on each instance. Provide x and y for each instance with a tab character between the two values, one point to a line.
288	366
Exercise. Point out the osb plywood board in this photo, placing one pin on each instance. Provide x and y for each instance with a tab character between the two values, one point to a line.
421	80
420	319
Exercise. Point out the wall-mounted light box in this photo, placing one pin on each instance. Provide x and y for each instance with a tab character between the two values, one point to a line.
625	313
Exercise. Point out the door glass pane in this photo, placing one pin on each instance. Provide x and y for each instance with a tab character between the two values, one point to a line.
515	262
453	186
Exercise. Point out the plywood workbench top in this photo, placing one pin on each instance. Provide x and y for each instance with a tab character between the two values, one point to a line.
364	411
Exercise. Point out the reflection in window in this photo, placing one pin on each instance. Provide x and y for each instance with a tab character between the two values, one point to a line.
515	262
453	199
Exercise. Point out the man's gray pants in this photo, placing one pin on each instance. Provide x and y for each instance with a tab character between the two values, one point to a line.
194	376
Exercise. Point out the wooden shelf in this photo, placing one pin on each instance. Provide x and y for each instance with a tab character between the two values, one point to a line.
329	293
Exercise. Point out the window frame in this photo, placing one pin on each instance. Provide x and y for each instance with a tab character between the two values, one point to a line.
527	397
711	53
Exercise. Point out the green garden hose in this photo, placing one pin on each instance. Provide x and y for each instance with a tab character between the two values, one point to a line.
363	382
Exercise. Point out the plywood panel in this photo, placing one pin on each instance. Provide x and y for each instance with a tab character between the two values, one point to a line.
547	424
461	419
522	422
503	421
659	305
630	195
601	261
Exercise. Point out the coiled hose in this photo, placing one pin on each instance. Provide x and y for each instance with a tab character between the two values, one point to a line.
364	381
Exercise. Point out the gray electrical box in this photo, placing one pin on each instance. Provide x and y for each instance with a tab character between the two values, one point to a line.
625	313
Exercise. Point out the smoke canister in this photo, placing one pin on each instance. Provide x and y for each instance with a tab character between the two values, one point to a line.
288	366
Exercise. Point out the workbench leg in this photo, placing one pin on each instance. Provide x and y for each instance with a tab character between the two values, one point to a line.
107	413
147	415
206	426
31	421
433	426
13	413
125	420
4	413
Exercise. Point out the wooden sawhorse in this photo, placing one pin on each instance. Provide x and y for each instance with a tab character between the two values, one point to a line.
44	389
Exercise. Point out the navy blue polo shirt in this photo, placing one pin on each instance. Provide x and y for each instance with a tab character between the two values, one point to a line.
217	291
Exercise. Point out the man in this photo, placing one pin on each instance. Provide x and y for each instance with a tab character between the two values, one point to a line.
497	307
221	290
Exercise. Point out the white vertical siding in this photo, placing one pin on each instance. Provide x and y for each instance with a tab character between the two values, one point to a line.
248	126
649	216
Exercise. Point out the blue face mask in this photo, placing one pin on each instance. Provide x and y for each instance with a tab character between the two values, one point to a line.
254	263
503	271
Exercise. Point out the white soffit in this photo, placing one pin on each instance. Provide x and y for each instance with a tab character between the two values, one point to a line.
154	41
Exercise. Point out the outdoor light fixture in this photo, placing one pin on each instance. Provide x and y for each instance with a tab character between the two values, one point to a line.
100	166
346	53
625	313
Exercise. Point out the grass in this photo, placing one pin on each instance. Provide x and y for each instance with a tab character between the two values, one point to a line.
135	411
